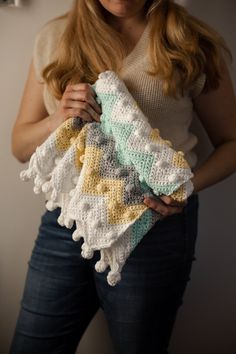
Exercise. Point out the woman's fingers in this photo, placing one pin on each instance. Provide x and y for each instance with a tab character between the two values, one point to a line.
82	109
79	100
80	114
80	96
156	205
162	208
81	87
170	201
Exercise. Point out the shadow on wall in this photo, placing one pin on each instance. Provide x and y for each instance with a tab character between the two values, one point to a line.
206	323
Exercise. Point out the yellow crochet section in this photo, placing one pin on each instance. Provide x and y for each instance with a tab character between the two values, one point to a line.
178	195
80	143
113	189
177	160
63	136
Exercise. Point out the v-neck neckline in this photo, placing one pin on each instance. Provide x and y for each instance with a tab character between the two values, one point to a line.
137	45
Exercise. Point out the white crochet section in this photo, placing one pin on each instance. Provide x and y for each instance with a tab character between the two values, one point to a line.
64	183
90	214
163	171
56	173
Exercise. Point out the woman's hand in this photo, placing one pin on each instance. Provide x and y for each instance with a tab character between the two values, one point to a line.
165	205
77	101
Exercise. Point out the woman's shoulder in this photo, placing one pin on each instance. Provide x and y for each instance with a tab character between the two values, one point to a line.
52	29
46	42
197	86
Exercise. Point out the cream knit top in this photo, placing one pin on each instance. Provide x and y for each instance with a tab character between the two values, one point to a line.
170	115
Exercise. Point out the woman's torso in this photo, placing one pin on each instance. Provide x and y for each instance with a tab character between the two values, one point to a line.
170	115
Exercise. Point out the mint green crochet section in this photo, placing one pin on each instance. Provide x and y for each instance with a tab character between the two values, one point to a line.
121	131
141	227
108	101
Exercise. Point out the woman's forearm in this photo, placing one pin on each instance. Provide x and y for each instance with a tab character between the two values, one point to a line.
219	165
26	137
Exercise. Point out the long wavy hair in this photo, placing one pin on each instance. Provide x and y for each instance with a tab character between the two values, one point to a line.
179	43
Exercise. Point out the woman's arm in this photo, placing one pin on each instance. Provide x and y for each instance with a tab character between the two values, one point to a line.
217	113
31	127
33	124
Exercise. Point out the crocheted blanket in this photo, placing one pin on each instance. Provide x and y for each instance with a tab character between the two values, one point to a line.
99	172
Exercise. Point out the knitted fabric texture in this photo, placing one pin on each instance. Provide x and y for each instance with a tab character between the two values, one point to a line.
99	173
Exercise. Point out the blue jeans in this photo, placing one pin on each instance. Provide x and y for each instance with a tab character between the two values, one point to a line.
63	291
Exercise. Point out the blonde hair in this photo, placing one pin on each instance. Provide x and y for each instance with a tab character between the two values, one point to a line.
179	44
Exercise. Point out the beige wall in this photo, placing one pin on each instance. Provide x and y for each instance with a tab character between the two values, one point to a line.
206	322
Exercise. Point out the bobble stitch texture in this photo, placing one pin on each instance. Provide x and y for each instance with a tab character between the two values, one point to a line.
76	235
113	278
86	251
101	266
98	175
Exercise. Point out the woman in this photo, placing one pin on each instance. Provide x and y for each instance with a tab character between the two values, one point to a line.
172	63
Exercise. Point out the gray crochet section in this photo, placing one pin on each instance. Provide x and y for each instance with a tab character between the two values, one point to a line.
111	168
77	123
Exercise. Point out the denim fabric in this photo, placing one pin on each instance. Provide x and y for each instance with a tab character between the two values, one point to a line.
63	291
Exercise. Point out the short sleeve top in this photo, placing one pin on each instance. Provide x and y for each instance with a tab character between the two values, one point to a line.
170	115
